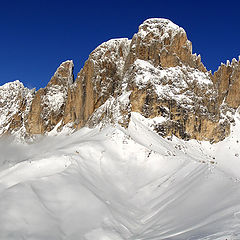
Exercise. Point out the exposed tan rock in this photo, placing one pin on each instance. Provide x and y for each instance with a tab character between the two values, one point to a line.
164	44
154	74
99	79
233	96
35	123
188	105
48	105
227	80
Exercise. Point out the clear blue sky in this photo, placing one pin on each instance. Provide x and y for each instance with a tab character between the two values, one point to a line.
36	36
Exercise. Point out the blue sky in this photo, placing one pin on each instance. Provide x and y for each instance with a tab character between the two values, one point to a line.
36	36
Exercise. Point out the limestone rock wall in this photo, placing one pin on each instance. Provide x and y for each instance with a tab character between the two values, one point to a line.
164	44
188	105
100	78
227	80
48	104
154	74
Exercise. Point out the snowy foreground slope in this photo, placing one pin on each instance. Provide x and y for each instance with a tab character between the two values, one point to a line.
113	184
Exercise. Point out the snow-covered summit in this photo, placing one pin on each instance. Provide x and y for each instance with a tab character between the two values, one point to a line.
12	85
159	26
108	45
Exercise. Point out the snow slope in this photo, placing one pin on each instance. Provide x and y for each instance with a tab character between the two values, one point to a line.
120	184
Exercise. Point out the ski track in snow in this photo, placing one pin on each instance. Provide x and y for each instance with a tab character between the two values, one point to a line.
117	184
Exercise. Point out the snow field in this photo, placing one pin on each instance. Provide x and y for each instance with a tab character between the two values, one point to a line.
120	184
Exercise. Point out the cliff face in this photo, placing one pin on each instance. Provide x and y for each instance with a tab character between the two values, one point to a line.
164	44
48	104
99	79
227	81
154	74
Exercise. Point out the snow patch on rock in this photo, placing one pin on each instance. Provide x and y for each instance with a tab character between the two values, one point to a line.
159	26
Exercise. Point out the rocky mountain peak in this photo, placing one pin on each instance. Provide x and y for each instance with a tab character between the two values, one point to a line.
64	74
48	104
155	74
161	27
164	44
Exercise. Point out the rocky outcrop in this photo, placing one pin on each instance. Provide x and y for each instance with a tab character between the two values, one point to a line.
15	102
48	104
184	96
164	44
154	74
227	81
100	78
25	112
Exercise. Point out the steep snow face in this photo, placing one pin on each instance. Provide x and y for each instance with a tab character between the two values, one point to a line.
15	99
120	184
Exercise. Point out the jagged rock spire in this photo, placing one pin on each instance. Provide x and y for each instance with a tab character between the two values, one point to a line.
64	74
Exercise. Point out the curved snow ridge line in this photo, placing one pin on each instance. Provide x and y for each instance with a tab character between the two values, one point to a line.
30	170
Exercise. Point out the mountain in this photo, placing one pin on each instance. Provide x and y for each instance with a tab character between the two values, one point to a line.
142	145
154	74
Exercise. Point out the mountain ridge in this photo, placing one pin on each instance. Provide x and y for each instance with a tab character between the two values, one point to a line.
154	74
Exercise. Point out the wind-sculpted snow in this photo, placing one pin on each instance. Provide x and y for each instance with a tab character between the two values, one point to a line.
120	184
